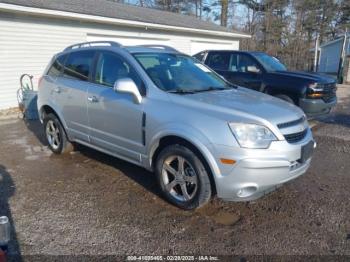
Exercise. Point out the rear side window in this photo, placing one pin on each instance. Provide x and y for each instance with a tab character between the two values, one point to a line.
219	61
57	66
79	65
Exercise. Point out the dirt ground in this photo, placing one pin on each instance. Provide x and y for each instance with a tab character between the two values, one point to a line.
92	204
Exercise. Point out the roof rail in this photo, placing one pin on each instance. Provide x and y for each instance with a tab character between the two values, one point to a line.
165	47
89	44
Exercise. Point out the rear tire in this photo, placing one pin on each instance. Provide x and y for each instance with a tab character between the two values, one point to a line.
285	98
182	177
56	136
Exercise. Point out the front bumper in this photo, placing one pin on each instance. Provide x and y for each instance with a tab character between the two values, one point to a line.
259	171
316	107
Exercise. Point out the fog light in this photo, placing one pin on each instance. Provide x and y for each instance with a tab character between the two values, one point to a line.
247	191
4	231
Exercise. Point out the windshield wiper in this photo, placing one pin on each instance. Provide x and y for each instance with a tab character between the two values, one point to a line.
211	88
180	91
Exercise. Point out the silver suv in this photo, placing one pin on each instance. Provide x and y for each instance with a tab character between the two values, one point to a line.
167	112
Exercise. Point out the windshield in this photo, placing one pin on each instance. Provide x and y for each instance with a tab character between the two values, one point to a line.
270	63
179	73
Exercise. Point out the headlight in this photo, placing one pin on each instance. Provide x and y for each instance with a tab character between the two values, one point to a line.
316	87
252	136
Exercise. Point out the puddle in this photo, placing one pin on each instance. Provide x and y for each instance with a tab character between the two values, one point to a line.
225	218
32	157
8	122
219	216
32	153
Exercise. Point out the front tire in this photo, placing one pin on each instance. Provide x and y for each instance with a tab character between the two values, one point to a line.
55	135
182	177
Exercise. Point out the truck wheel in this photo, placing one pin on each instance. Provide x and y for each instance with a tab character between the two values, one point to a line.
182	177
285	98
56	135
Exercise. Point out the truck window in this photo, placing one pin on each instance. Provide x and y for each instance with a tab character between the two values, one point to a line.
247	64
219	61
200	56
234	63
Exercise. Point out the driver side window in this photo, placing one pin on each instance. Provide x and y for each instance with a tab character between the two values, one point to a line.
111	67
247	64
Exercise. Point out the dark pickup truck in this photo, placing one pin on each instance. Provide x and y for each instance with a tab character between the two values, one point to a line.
314	93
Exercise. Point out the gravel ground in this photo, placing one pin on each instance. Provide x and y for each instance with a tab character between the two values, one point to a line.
92	204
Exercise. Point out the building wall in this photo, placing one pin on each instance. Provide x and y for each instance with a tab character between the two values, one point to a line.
330	56
27	44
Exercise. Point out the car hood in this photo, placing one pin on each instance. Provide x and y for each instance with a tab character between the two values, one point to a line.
315	77
245	104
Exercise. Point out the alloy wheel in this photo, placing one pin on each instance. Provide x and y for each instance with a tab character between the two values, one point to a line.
53	134
180	178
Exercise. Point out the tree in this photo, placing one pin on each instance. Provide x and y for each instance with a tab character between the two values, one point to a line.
224	12
286	29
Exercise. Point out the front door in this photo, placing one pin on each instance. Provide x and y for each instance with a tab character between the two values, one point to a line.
115	119
245	71
237	68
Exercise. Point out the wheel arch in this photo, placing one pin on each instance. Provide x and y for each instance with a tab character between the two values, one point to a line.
274	91
47	109
199	149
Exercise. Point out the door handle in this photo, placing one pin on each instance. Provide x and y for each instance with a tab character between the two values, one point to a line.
92	99
57	90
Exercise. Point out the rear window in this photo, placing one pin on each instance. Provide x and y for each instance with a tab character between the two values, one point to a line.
219	61
57	66
79	65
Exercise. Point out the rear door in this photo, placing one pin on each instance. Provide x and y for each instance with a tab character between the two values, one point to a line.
114	118
71	92
51	78
220	62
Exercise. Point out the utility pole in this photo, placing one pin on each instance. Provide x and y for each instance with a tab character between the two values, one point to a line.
316	53
342	57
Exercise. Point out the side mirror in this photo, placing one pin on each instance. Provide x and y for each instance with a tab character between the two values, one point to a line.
127	85
253	69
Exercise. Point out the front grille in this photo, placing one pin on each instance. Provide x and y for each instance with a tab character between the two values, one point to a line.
296	137
329	91
292	123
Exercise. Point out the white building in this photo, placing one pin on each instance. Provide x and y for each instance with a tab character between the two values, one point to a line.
32	31
330	55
